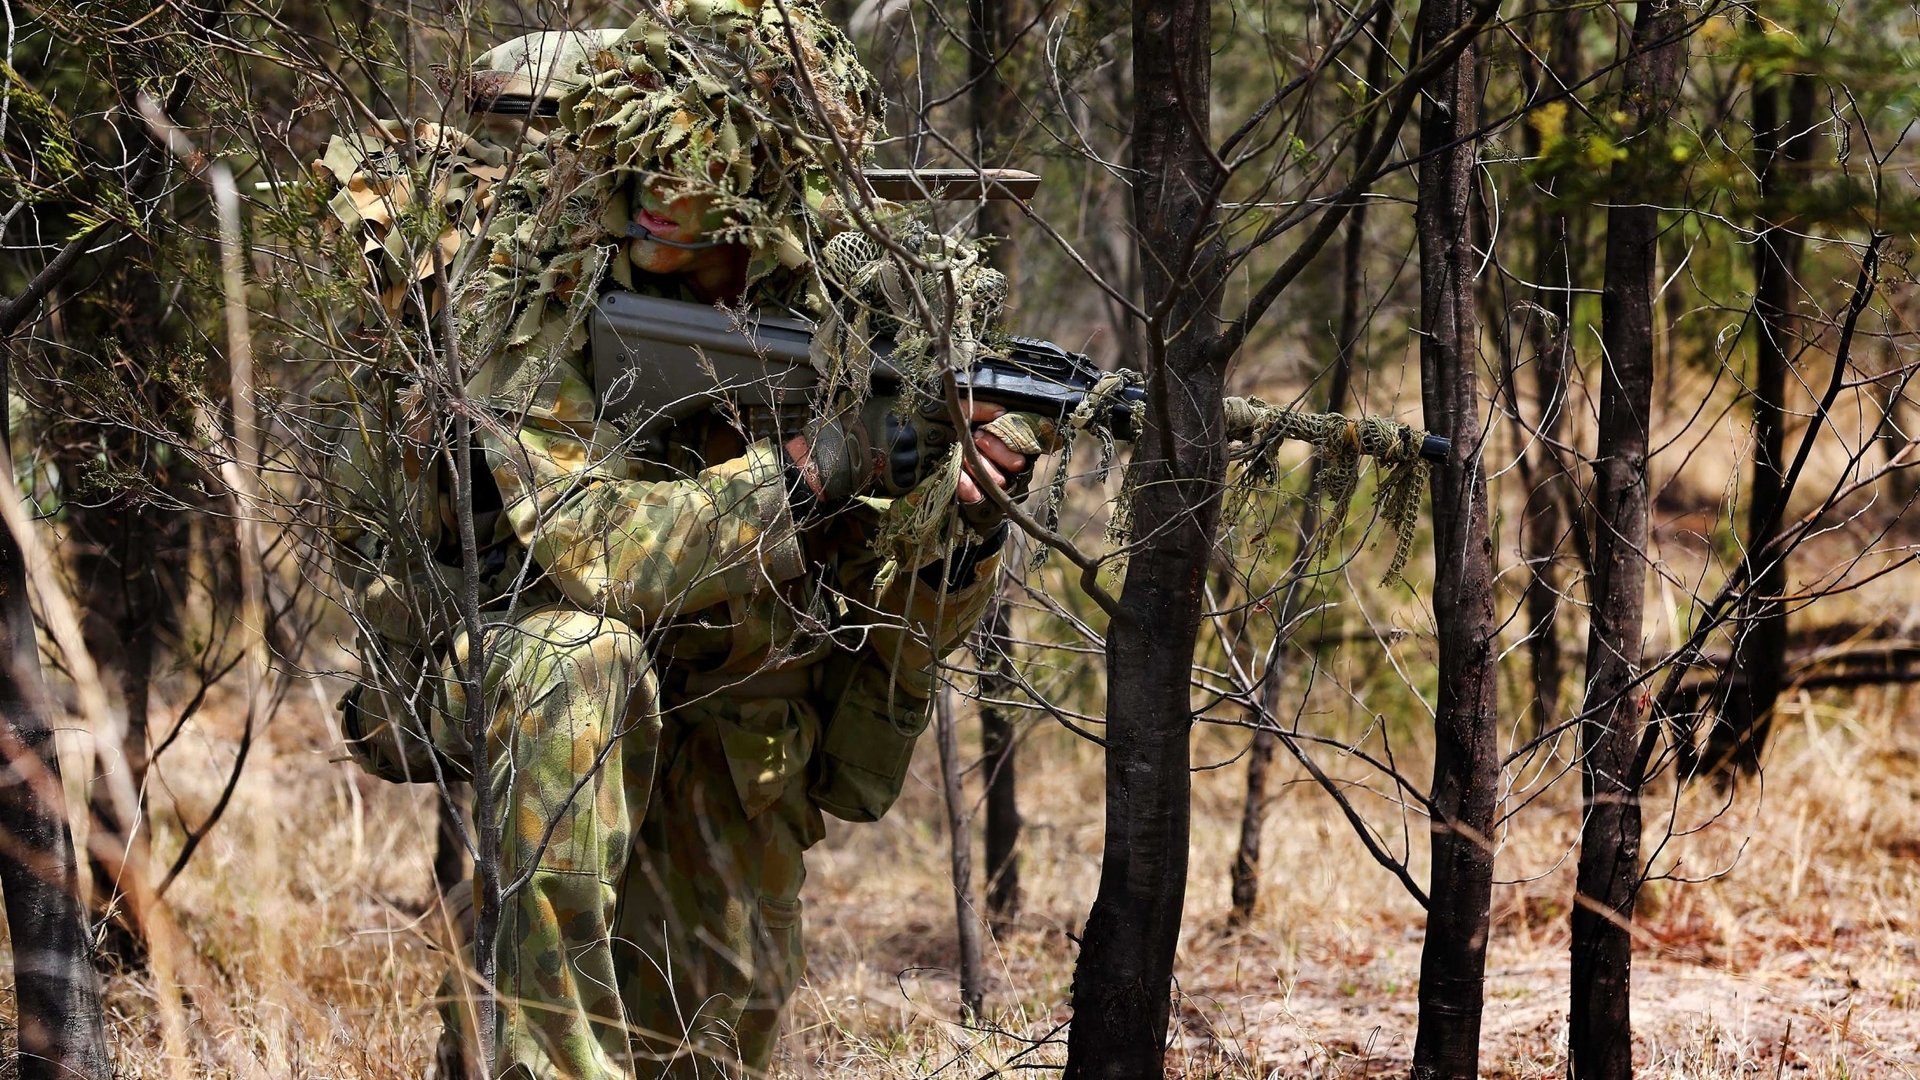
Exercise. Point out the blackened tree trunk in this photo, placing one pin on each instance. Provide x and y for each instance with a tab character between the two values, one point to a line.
451	860
1601	1037
960	862
992	29
1780	146
1244	875
997	741
57	995
1466	764
1542	522
1124	977
124	520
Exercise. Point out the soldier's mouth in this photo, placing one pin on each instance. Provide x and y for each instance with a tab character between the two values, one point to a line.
662	227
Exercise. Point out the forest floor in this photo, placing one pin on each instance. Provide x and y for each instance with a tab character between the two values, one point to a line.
1793	952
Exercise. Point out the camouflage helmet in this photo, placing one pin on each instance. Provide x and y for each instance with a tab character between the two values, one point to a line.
527	76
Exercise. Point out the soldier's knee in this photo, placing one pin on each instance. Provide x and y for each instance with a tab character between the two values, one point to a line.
593	669
590	646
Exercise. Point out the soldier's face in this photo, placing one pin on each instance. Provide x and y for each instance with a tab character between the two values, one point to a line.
687	218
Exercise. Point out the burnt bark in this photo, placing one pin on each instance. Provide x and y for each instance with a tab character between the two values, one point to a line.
992	29
1542	523
57	995
960	861
1124	976
1466	762
998	739
1781	146
451	861
1612	719
122	505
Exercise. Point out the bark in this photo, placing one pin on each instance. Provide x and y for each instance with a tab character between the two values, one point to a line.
126	539
1780	147
993	26
57	996
1244	875
997	746
1466	763
1601	1035
451	861
1245	872
960	847
1542	522
1124	977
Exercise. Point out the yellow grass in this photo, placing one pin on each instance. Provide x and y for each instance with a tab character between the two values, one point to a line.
1799	958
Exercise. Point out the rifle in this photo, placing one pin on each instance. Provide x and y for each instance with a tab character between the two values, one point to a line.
657	362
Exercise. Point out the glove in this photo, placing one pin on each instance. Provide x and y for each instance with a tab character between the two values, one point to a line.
877	447
1023	433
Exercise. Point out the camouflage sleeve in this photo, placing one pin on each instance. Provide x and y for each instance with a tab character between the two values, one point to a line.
639	550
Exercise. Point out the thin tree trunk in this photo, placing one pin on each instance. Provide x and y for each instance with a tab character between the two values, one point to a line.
1778	150
133	639
1541	523
1245	872
1601	1036
451	860
997	746
56	994
992	26
1466	764
960	846
127	563
1124	977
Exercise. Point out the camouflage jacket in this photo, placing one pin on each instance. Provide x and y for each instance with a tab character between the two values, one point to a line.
779	631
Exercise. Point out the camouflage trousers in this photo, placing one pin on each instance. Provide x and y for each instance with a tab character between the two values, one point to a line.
653	929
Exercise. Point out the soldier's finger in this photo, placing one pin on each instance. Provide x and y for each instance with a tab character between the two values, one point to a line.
993	473
979	412
995	449
968	491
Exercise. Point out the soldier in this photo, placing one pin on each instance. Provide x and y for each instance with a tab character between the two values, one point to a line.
685	661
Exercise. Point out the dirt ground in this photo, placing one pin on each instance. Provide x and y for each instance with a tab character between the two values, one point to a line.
1790	951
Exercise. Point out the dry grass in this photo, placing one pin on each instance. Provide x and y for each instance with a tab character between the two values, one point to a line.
1797	958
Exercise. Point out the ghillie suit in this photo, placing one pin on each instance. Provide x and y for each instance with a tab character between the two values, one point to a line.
679	673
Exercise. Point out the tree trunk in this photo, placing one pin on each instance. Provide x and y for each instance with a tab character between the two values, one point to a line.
1779	149
1245	873
451	860
57	995
1542	523
997	743
1601	1037
1124	977
1466	763
994	101
127	559
960	846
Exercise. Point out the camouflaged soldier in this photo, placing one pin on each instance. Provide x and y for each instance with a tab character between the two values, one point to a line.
686	660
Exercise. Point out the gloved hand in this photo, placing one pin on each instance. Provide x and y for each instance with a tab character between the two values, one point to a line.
1008	443
878	446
